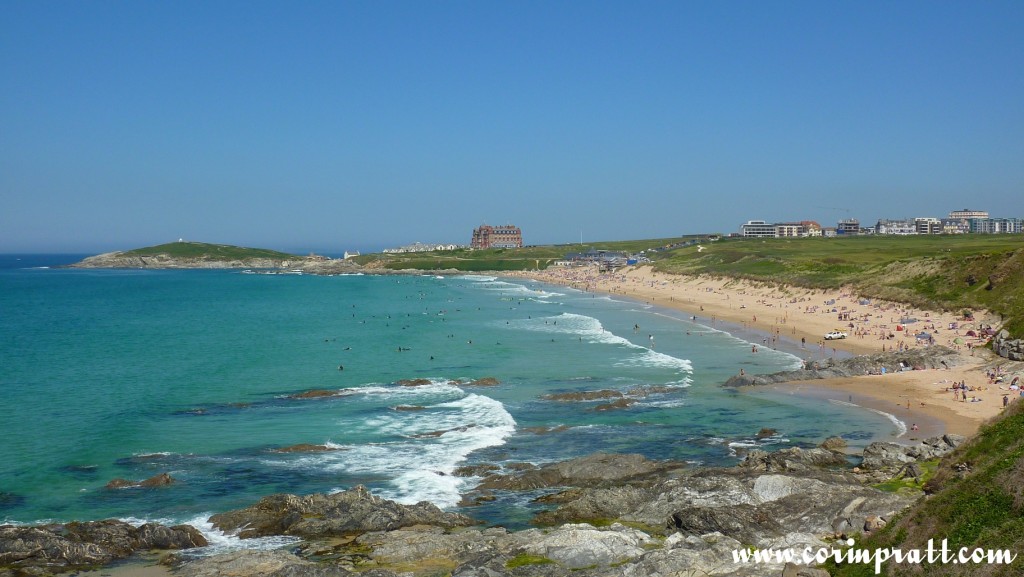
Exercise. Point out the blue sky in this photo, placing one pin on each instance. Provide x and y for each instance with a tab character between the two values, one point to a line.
335	126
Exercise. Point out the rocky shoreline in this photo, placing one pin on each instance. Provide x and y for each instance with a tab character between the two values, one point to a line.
934	357
608	515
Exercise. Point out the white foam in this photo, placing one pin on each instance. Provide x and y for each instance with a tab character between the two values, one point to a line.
221	542
435	442
591	329
901	427
516	289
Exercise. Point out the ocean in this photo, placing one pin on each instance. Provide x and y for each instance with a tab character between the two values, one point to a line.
131	373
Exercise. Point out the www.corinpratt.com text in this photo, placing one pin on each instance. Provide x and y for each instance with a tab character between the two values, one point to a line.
929	555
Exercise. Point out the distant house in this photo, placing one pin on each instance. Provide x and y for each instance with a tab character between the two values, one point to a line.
849	226
757	229
897	227
967	214
506	236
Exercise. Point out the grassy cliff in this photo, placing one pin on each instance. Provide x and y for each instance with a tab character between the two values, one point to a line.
205	251
975	501
936	272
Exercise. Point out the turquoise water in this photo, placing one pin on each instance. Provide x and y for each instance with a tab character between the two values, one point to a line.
128	374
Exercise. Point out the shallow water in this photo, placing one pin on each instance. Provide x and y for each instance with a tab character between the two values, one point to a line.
133	373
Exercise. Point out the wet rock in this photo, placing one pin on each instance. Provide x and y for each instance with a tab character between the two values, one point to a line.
319	515
409	408
483	382
652	390
75	545
595	470
314	394
833	444
435	434
934	357
583	396
305	448
475	470
160	480
766	433
546	430
414	382
619	404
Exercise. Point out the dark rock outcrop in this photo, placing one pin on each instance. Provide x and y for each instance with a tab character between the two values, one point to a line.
305	448
584	396
319	515
934	357
1007	347
600	469
882	460
76	545
314	394
414	382
155	481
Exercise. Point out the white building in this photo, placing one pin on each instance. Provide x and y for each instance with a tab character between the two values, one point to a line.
757	229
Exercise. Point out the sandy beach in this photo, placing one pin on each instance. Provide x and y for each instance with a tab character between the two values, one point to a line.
796	319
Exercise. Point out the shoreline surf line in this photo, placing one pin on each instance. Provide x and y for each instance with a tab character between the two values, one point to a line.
689	295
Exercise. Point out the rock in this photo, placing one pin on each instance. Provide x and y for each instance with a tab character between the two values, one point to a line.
255	563
933	357
305	448
952	440
873	523
792	459
475	470
619	404
793	570
833	444
409	408
314	394
484	382
88	544
583	396
319	515
156	481
414	382
576	546
765	433
545	430
881	455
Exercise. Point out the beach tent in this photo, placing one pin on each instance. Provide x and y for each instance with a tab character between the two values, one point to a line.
923	336
958	341
972	334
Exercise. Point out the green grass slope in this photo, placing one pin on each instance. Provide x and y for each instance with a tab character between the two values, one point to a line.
505	259
206	251
936	272
976	501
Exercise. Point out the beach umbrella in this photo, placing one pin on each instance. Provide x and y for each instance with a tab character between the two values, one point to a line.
972	334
